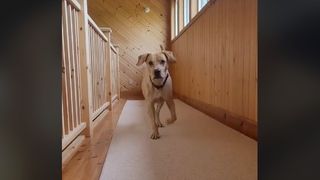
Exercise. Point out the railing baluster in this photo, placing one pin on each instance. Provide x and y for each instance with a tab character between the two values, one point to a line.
71	68
100	71
64	112
93	71
67	67
103	72
76	67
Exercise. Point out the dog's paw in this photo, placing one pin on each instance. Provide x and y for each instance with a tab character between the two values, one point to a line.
159	124
170	121
155	136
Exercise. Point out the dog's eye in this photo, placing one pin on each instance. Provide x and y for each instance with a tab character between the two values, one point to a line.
162	61
150	63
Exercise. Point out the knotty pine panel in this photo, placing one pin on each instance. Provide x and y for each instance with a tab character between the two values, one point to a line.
217	59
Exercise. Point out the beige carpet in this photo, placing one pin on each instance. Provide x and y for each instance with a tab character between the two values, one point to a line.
195	147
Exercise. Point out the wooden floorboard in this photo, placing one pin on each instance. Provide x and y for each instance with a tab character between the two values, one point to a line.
88	161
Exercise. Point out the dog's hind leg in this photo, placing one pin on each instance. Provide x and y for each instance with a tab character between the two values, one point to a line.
172	108
157	118
151	112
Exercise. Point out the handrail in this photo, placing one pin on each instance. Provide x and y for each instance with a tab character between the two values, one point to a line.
106	29
75	4
113	48
97	29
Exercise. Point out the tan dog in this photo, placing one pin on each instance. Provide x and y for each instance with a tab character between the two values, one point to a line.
157	86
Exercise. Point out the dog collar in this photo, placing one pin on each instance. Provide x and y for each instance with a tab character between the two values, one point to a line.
161	86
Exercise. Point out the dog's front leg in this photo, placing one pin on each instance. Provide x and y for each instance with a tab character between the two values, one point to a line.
157	117
151	112
172	108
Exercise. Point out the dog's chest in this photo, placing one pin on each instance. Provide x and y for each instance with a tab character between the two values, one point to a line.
157	94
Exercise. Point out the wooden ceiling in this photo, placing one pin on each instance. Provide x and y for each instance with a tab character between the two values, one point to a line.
135	31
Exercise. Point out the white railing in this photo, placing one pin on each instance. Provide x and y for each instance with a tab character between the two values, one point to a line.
99	72
113	51
72	123
114	61
90	72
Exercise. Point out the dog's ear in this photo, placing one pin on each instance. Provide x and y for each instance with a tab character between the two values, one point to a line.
169	55
142	58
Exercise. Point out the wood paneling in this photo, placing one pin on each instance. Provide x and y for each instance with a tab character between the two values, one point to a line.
217	59
135	31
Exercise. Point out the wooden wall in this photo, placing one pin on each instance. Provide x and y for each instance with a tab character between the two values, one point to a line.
134	31
216	67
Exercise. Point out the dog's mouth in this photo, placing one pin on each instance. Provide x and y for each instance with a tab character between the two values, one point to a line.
158	83
157	77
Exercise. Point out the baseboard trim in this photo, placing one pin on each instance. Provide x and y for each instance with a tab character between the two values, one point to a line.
244	125
71	150
98	119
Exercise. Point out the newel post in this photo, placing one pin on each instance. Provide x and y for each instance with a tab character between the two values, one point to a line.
107	32
118	69
86	101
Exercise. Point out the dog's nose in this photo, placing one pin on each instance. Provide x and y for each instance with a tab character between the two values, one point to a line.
157	72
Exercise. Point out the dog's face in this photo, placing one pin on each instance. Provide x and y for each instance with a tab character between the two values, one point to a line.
157	63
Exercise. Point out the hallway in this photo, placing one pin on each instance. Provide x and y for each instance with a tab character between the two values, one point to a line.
105	131
194	147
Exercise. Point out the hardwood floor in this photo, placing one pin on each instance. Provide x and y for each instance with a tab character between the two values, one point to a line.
88	161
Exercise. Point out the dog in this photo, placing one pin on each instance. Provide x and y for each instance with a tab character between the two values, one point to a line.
157	87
